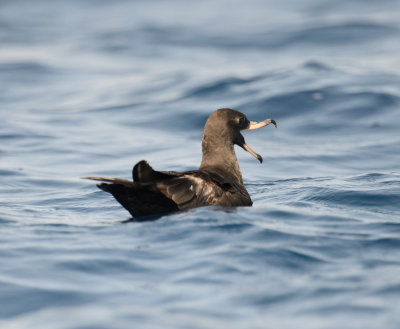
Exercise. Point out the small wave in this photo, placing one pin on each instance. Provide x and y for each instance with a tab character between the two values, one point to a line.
280	258
292	104
101	266
218	87
343	33
357	198
330	111
25	68
317	66
386	243
11	172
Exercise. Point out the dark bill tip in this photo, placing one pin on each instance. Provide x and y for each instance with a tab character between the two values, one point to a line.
250	150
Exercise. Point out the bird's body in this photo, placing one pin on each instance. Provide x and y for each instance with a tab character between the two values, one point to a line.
218	181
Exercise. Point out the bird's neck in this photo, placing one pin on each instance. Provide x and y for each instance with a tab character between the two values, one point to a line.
222	160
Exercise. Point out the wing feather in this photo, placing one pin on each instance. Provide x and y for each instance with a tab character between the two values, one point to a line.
191	190
156	192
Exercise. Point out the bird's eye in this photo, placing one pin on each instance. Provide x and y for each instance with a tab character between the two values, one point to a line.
241	121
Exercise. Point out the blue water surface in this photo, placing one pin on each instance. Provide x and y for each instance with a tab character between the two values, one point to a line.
92	87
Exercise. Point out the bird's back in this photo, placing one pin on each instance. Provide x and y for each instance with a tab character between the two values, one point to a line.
153	192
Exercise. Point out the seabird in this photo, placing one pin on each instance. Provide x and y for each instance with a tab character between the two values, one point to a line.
217	182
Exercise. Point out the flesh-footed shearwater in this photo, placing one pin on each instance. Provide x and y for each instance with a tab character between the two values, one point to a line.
217	182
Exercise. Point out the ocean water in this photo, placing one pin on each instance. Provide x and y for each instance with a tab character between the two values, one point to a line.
92	87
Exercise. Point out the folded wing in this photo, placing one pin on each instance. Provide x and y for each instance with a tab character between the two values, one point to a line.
154	192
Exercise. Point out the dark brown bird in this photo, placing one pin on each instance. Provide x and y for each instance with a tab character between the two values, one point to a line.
217	182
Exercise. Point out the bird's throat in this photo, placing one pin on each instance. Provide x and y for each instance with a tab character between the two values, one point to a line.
223	161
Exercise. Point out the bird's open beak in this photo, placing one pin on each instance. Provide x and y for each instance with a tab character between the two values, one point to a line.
255	125
250	150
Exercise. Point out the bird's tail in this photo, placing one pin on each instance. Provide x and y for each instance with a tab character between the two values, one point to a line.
121	181
138	198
